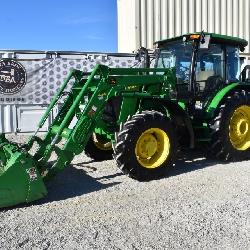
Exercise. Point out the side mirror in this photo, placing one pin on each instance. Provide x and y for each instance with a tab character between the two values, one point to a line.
204	42
242	49
242	60
244	73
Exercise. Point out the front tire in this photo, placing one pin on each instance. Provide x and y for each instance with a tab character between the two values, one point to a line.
145	147
230	129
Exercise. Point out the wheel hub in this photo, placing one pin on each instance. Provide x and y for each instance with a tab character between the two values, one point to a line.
242	127
147	146
152	148
239	132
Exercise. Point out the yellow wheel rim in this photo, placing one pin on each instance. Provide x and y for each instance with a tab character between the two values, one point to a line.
152	148
101	144
239	128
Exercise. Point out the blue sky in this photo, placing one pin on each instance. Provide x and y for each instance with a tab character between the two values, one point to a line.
85	25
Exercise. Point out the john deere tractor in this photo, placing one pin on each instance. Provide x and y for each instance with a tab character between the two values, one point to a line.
195	96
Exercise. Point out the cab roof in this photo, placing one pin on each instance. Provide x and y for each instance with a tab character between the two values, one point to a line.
214	38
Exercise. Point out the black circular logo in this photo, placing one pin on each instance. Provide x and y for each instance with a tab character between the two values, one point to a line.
12	76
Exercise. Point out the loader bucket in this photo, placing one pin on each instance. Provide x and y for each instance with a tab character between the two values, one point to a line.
20	180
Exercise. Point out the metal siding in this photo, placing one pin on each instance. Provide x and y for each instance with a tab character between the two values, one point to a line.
127	20
162	19
177	15
191	19
137	24
184	20
211	13
171	21
143	18
247	21
198	15
157	30
150	24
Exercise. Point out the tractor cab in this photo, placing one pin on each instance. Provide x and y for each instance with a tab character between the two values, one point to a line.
204	62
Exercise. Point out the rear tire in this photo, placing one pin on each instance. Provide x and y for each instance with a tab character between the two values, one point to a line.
230	129
146	146
99	148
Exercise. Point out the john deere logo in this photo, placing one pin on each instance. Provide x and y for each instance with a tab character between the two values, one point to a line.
12	77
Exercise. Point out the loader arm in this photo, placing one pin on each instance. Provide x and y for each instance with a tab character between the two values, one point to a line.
78	117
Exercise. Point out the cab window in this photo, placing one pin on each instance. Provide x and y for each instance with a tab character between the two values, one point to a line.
210	66
232	64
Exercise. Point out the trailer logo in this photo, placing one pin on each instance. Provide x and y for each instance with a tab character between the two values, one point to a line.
12	77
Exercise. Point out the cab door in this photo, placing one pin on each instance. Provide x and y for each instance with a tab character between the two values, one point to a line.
209	71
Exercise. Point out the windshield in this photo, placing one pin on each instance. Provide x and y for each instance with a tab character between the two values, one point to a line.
178	55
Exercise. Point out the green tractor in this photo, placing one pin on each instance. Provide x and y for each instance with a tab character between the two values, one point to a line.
195	96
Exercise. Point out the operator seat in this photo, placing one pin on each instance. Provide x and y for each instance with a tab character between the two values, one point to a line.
201	78
213	84
208	82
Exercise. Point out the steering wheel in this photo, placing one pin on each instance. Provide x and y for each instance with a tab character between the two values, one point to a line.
184	73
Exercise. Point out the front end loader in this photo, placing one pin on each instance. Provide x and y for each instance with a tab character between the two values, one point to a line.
140	116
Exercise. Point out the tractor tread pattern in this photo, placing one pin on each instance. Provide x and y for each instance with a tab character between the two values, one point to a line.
124	148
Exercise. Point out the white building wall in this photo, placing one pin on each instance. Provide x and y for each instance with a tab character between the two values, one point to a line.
141	22
127	31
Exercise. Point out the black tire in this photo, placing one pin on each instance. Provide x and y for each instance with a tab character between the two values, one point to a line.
98	153
222	145
130	134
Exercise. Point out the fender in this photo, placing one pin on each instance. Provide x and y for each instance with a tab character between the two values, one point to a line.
212	106
215	102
